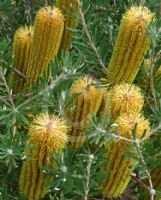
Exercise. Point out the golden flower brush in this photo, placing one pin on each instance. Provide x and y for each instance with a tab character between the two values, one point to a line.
87	100
21	52
47	133
131	45
48	30
70	10
119	166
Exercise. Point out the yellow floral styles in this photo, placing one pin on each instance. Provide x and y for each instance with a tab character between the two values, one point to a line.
87	100
126	98
70	10
21	52
131	45
47	133
119	166
48	30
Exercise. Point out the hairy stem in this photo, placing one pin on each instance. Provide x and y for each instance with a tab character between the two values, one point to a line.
87	188
139	151
104	69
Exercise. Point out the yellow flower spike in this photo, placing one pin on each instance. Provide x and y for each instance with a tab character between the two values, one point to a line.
126	98
119	166
21	52
46	133
131	45
48	30
70	10
87	101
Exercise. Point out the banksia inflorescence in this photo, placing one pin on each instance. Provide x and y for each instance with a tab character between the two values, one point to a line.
70	10
119	166
47	133
21	52
124	98
48	30
87	100
131	45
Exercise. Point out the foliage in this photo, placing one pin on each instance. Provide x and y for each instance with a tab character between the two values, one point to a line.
77	174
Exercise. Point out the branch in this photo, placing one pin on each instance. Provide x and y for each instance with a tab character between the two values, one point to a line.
142	184
50	86
150	188
152	78
20	73
87	188
104	69
8	90
155	130
45	2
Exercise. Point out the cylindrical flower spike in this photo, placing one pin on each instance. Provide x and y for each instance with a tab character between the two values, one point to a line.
119	166
70	10
124	98
21	52
131	45
47	133
48	30
87	100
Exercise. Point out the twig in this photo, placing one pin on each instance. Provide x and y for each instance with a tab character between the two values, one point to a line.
104	69
51	86
8	90
117	137
150	188
45	2
87	189
142	184
140	2
156	129
152	79
20	73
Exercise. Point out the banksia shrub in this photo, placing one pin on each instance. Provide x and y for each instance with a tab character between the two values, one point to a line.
87	100
131	45
119	166
125	98
48	30
47	133
21	52
70	10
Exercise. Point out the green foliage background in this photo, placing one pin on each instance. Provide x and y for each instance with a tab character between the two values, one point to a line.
102	19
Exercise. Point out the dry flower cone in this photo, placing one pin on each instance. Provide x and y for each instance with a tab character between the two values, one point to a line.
119	166
21	52
47	133
87	100
131	45
70	10
48	30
